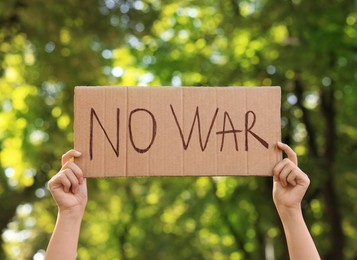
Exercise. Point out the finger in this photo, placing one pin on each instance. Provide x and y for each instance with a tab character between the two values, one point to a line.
279	167
284	175
289	152
69	155
66	183
302	178
74	183
292	177
75	169
60	180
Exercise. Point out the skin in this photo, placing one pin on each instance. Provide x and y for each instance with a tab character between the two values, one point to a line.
290	185
69	190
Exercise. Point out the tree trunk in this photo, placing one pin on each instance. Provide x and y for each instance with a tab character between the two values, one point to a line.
329	192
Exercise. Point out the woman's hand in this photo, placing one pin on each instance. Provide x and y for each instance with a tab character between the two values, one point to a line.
68	186
290	182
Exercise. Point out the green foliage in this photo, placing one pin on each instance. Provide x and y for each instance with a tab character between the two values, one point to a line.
308	48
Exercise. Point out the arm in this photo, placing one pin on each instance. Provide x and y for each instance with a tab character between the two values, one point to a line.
290	185
69	189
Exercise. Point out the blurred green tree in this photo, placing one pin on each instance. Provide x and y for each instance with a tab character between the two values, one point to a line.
308	48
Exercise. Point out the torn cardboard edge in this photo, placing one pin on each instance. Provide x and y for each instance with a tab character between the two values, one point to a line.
177	131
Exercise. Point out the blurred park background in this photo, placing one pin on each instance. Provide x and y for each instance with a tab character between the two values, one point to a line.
309	48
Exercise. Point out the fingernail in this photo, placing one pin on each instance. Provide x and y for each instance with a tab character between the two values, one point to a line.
77	153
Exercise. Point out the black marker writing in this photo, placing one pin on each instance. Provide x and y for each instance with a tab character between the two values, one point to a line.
196	118
153	130
94	114
249	130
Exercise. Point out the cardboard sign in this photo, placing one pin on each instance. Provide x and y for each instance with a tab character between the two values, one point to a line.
177	131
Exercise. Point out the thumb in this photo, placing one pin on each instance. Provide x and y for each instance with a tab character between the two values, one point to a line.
289	152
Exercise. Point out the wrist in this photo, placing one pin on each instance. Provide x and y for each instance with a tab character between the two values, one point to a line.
69	221
289	213
71	213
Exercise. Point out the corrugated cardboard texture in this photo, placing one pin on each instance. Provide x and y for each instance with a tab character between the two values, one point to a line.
170	131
